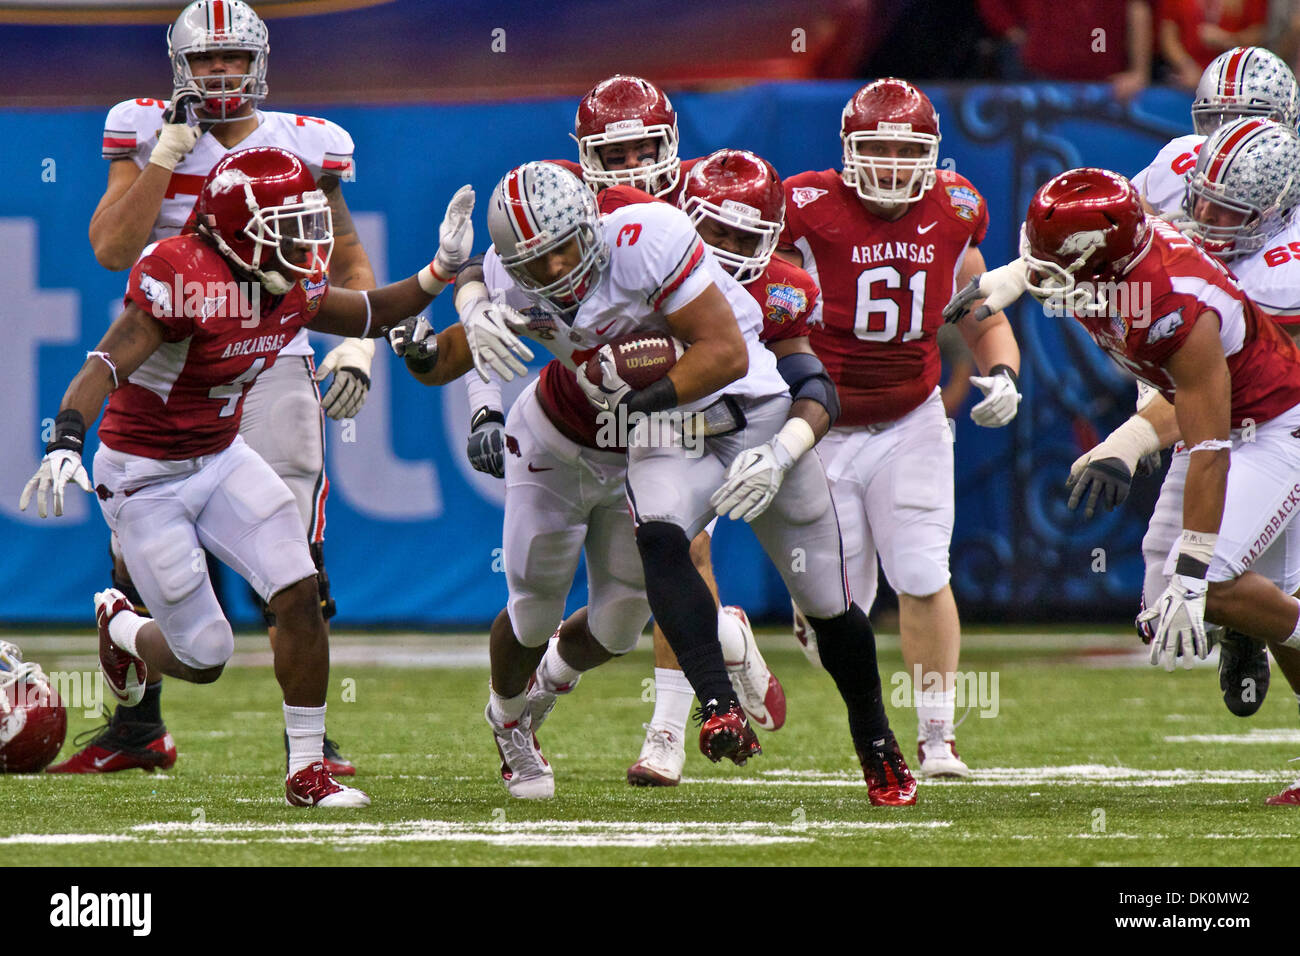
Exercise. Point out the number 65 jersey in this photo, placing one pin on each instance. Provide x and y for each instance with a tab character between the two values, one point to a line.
884	285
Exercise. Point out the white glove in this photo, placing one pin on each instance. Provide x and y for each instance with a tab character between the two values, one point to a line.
1001	401
57	469
456	233
492	343
350	365
176	138
755	476
1179	616
998	288
612	390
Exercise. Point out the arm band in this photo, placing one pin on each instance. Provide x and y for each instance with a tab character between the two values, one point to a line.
1195	549
69	432
107	360
807	378
655	397
1211	444
469	293
1009	372
430	281
365	293
485	415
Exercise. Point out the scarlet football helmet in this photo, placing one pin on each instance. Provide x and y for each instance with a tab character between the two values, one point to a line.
260	200
626	109
737	189
1245	81
206	26
892	111
1084	224
536	210
32	719
1250	169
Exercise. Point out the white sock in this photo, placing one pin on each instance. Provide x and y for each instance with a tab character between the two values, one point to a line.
732	638
506	710
124	629
306	727
934	706
673	699
554	673
1292	641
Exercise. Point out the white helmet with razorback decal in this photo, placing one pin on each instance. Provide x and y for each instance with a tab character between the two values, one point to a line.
536	210
1244	186
1245	81
207	26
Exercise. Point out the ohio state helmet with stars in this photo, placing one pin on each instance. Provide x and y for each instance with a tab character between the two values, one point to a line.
209	26
627	109
890	110
1245	81
32	719
739	190
1083	224
263	211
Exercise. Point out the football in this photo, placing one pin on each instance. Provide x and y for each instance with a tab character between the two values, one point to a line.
642	358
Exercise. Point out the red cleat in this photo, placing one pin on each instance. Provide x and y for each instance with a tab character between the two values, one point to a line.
336	765
726	733
889	782
314	787
1290	797
123	672
121	745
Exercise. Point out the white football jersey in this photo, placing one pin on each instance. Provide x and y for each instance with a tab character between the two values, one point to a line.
657	265
1271	277
1163	184
131	132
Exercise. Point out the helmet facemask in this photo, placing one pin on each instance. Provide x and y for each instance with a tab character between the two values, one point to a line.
746	219
221	95
570	290
658	178
1055	285
913	176
295	236
1224	241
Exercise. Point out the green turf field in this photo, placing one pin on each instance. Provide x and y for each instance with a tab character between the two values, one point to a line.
1092	758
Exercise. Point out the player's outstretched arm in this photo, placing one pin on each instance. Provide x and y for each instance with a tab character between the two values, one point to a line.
993	346
131	339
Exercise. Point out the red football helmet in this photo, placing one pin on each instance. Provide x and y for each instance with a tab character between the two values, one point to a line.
32	719
264	200
741	191
1084	224
890	111
626	109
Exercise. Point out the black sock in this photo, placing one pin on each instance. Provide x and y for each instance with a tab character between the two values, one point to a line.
148	711
848	650
683	606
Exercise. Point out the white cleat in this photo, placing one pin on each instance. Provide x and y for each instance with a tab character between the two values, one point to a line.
760	694
937	754
524	770
806	636
661	760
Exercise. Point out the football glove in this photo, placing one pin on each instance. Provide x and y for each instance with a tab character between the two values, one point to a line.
998	288
486	444
1002	399
456	233
492	343
58	467
752	481
1105	472
612	390
177	137
413	338
1179	621
350	365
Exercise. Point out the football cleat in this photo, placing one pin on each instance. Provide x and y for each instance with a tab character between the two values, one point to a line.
314	786
937	755
541	701
120	745
123	672
889	782
1243	673
661	760
726	733
336	764
524	770
806	636
760	693
1290	797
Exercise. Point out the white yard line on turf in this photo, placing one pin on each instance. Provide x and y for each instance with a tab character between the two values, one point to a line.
1073	775
1256	735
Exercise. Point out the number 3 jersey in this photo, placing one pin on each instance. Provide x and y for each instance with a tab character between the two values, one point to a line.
186	399
884	285
131	132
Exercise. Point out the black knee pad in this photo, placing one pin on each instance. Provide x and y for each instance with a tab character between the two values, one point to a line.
327	606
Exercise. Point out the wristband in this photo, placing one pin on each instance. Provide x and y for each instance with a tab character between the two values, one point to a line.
1009	372
430	281
485	415
1211	444
69	432
1195	549
655	397
469	293
796	437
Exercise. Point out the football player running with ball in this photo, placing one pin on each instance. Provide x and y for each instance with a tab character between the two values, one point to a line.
887	238
159	155
174	477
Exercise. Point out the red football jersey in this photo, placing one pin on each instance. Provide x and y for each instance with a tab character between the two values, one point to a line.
789	299
1171	284
883	284
187	398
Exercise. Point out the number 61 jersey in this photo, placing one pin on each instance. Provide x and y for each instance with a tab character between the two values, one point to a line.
884	285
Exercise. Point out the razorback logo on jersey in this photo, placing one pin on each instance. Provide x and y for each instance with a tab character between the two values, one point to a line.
803	195
965	201
158	293
1165	326
315	288
784	302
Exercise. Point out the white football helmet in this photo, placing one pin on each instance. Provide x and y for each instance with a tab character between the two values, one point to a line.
1251	168
208	25
537	209
1245	81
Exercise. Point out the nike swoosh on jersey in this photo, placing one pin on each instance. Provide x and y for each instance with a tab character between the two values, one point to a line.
602	331
531	468
922	230
286	318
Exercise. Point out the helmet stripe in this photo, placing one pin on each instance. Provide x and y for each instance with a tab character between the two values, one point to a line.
1234	71
519	211
1229	149
219	16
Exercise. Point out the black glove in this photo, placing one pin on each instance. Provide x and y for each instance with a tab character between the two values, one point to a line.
486	444
1106	482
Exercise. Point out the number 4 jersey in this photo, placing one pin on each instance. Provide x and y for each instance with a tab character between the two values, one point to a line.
186	399
884	285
